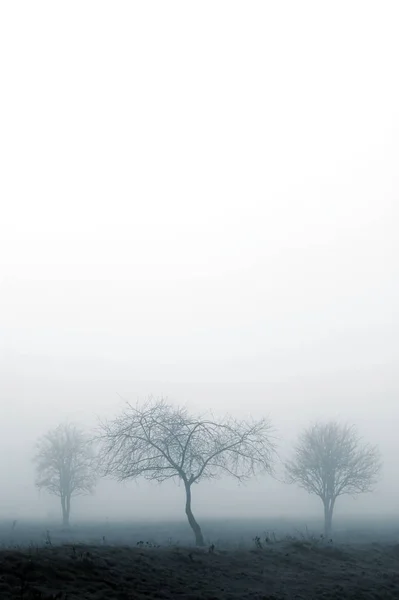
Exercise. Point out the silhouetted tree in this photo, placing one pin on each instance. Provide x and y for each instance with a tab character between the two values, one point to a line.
64	464
330	461
159	442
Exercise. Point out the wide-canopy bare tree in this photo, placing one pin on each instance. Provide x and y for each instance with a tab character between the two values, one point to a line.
64	464
159	442
330	460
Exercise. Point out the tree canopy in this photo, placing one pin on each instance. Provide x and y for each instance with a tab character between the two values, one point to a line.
64	465
159	442
329	461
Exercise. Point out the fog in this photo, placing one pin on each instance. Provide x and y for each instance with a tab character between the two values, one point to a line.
198	201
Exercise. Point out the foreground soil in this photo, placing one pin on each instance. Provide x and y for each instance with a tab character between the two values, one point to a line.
299	570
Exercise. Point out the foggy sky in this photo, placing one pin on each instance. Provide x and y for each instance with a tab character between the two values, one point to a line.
198	200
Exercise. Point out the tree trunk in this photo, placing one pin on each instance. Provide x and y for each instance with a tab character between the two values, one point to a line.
328	514
199	538
66	509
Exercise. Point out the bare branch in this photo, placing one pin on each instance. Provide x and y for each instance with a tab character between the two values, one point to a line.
158	441
330	461
64	462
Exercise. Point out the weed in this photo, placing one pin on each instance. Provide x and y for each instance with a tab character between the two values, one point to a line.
142	544
48	541
258	542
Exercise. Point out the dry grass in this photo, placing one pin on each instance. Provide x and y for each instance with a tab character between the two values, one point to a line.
288	569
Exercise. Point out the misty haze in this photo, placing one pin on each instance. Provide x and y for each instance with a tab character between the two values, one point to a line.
199	299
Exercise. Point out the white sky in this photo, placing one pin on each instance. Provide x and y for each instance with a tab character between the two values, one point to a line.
194	193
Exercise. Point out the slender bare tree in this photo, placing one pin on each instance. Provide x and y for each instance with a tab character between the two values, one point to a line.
330	461
64	465
159	442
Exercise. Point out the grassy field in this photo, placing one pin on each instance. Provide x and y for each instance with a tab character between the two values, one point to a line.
243	559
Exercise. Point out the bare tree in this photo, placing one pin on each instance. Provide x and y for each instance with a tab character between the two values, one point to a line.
64	464
159	442
331	461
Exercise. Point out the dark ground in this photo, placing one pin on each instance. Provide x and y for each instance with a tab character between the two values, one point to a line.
126	562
